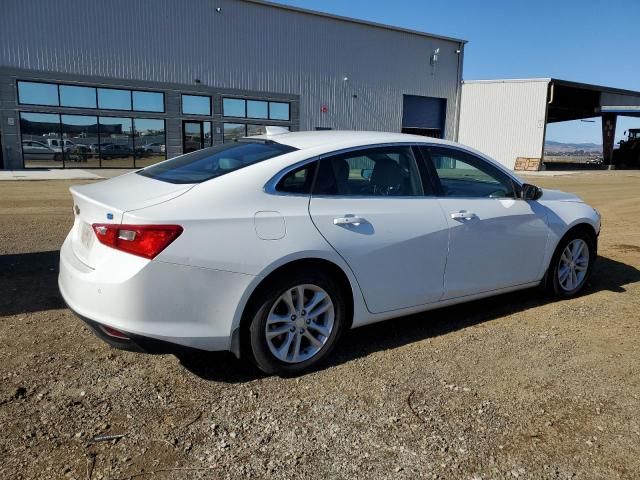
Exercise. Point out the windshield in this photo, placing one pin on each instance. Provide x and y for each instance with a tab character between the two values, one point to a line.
212	162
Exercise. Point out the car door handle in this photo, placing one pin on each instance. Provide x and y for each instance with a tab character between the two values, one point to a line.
463	215
349	220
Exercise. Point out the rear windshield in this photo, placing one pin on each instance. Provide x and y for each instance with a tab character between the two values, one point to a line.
212	162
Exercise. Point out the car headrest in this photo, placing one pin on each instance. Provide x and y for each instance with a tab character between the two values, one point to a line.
386	173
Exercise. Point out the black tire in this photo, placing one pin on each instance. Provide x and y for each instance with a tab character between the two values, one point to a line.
265	300
552	283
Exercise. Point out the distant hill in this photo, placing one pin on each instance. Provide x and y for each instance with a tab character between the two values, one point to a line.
560	147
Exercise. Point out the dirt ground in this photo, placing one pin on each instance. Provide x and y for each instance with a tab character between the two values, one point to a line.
517	386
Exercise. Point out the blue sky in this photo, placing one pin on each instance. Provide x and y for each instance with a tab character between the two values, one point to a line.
591	41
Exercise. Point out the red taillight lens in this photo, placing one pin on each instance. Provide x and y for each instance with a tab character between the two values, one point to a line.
144	240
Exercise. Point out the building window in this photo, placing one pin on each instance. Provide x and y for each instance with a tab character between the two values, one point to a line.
279	111
234	131
86	141
80	136
234	107
149	139
79	97
41	139
116	142
36	93
239	108
196	105
114	99
148	101
256	130
257	109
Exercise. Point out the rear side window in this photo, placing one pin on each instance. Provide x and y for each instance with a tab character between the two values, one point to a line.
372	172
212	162
299	180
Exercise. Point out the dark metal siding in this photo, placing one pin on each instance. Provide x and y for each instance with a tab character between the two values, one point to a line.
246	46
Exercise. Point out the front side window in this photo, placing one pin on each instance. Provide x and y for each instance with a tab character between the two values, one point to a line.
381	171
464	175
212	162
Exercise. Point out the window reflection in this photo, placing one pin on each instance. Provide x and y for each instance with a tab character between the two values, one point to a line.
257	109
80	136
148	101
234	107
34	93
256	130
196	105
116	142
149	141
278	111
233	131
41	139
114	99
79	97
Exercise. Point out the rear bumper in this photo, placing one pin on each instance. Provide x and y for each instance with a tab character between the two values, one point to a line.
159	306
133	343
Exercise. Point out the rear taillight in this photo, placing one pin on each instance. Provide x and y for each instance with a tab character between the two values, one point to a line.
144	240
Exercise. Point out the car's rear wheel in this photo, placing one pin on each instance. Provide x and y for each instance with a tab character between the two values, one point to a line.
296	323
571	264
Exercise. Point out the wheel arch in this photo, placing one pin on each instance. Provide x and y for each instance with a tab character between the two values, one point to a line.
341	275
584	225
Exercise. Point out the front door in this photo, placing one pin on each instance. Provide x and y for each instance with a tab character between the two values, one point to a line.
371	206
192	136
496	240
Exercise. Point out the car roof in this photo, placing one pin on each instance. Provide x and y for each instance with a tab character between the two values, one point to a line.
344	139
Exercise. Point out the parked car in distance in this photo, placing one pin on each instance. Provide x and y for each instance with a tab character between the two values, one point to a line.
151	148
33	150
113	150
57	145
273	246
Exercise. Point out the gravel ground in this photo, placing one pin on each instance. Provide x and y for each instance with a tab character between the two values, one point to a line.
516	386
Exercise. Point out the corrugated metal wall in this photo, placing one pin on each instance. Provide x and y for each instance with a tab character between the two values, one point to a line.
246	46
504	119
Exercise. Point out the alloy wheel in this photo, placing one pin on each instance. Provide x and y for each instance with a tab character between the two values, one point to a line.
574	262
299	323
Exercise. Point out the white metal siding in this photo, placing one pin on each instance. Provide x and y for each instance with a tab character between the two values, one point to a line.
248	46
504	119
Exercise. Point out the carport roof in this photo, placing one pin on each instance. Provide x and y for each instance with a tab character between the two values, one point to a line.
569	100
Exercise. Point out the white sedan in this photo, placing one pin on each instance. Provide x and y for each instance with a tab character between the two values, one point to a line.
272	246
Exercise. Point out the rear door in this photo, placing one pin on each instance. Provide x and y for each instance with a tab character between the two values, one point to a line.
496	239
371	206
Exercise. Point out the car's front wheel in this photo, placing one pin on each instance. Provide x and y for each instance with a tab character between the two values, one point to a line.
296	322
571	264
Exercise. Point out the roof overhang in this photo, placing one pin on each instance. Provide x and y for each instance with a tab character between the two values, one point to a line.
575	101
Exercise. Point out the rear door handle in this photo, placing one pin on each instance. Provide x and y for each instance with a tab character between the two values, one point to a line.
463	215
349	220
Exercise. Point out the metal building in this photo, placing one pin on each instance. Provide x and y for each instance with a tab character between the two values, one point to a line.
507	119
123	84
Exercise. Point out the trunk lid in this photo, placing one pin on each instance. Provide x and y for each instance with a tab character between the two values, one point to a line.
106	202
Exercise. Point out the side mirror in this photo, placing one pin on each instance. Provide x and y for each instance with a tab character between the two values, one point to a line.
531	192
366	173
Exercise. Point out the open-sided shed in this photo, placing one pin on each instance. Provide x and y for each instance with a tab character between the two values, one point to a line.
507	119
